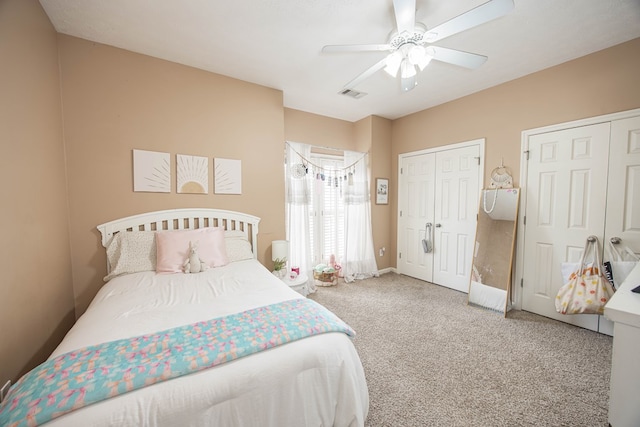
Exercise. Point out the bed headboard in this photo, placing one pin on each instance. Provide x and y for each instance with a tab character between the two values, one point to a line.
185	219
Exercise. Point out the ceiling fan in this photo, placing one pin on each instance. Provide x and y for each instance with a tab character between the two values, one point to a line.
410	45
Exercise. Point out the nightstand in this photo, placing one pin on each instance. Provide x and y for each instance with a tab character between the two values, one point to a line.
299	284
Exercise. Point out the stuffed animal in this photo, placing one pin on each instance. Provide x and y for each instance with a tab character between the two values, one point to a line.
194	264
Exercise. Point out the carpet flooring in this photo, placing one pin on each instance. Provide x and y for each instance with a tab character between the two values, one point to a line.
432	360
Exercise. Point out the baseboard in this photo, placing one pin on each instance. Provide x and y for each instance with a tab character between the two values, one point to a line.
387	270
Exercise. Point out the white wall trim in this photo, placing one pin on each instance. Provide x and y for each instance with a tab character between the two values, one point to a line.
454	146
579	123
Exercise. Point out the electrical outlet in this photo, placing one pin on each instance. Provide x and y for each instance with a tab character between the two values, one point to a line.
4	390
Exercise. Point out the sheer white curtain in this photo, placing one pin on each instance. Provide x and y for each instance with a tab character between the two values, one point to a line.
297	199
360	260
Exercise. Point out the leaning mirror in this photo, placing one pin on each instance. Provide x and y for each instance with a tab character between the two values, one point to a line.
490	284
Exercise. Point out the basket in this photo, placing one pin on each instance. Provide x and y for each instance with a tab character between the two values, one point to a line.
325	279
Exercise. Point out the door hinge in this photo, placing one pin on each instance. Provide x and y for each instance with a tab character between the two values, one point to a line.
522	282
399	255
478	159
527	154
400	213
524	220
401	171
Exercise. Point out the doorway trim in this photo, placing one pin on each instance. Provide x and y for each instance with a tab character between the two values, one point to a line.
479	141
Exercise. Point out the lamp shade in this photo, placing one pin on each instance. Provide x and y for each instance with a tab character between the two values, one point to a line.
279	249
393	63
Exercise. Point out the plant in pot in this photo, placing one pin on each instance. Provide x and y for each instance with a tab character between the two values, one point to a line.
279	267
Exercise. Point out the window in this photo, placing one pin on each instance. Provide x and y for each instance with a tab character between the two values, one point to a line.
322	193
326	210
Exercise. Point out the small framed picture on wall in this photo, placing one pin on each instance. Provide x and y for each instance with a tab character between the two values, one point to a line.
382	191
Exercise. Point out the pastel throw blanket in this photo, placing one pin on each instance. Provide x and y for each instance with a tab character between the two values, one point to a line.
92	374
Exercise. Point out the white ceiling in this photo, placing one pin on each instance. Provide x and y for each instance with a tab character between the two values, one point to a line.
277	43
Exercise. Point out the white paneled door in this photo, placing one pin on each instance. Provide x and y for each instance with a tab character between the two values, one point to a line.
580	181
623	200
438	193
416	199
566	194
456	210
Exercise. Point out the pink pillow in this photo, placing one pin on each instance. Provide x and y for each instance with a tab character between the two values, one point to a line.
173	248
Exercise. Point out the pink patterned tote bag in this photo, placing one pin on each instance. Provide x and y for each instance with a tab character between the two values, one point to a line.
587	290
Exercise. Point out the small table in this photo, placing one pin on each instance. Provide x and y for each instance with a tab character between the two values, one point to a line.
624	310
299	284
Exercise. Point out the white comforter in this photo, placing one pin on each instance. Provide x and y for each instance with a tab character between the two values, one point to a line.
316	381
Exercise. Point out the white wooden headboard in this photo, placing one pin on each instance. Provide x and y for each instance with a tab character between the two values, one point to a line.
185	219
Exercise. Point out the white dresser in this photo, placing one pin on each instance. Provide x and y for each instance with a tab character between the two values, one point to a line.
624	396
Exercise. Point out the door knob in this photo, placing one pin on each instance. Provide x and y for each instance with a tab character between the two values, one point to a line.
438	225
615	240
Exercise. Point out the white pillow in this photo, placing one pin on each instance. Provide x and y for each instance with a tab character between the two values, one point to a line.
130	252
238	247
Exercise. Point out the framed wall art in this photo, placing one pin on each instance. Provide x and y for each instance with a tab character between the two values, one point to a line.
227	176
193	174
151	171
382	191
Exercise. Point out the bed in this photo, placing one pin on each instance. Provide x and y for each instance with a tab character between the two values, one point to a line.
316	380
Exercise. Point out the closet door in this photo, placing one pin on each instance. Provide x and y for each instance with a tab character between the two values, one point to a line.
456	208
416	200
440	187
623	201
565	203
623	191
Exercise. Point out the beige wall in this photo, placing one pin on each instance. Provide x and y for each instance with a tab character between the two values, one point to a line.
373	134
321	131
36	294
601	83
115	100
381	161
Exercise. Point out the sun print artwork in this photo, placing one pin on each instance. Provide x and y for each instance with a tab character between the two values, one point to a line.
151	171
228	176
193	174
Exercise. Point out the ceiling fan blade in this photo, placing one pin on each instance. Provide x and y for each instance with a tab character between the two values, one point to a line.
366	74
405	11
458	57
484	13
357	48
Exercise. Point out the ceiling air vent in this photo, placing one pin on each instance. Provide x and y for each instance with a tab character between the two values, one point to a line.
352	93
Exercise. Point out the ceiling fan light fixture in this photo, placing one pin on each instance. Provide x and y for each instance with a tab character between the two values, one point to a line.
419	56
416	54
407	84
429	53
393	63
407	69
424	62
